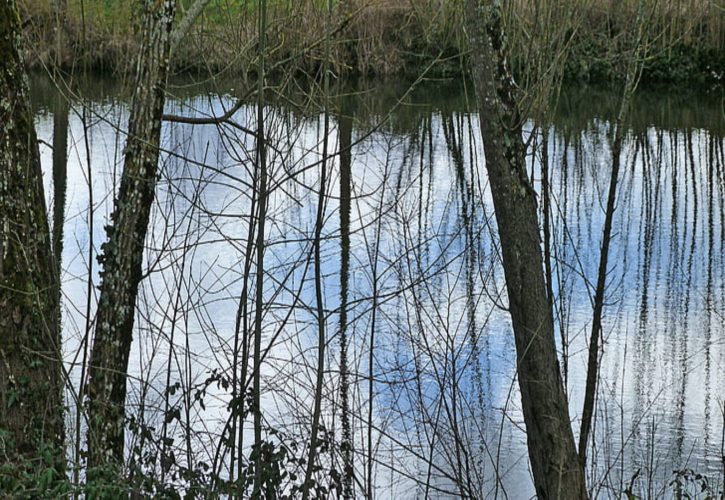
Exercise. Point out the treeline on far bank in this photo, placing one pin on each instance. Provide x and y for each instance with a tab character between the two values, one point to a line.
686	38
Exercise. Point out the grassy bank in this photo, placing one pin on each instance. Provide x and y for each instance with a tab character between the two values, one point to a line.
388	37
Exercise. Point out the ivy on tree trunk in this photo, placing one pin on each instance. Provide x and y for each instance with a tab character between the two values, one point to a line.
123	251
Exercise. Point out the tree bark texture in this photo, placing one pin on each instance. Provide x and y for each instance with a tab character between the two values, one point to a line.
31	383
61	110
552	452
123	251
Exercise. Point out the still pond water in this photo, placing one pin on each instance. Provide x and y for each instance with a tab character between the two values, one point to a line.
412	278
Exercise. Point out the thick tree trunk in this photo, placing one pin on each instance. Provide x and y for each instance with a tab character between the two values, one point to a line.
123	252
31	385
554	460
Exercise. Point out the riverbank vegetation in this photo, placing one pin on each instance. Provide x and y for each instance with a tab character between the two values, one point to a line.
390	37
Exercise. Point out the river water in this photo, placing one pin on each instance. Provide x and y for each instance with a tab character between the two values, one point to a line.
411	277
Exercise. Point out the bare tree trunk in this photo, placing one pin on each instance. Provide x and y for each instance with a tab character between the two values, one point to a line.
122	253
345	149
60	54
261	154
319	222
594	343
187	22
554	460
31	383
321	340
634	71
60	174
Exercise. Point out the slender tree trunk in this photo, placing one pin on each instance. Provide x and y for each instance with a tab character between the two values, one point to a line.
554	460
259	279
31	383
187	22
60	54
60	175
346	443
321	340
634	66
123	252
370	483
317	243
594	340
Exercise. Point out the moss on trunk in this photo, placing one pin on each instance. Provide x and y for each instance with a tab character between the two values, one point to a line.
31	402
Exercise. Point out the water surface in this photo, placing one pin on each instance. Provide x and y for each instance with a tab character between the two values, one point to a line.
411	277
